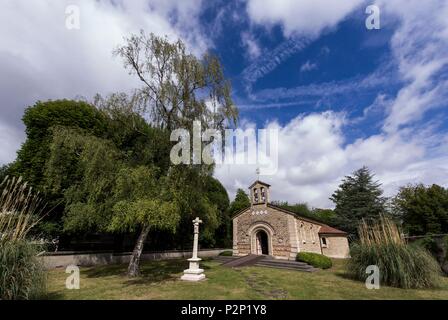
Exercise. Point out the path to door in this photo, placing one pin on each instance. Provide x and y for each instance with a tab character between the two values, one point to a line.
263	261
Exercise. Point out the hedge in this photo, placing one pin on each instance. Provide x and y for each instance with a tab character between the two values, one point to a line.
315	259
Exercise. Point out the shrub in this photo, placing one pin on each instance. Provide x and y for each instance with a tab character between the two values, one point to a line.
400	265
226	253
438	247
21	273
315	259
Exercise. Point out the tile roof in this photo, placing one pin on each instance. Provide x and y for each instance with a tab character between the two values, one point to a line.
330	230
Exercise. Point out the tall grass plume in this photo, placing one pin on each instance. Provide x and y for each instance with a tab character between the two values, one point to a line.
21	273
400	265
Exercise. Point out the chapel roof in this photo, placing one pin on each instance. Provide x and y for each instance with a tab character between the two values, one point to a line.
330	230
259	182
325	229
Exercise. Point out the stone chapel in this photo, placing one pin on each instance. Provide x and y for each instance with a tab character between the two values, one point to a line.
265	229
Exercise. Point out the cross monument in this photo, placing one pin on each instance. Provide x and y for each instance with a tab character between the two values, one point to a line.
194	273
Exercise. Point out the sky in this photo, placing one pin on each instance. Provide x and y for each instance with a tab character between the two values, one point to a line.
340	95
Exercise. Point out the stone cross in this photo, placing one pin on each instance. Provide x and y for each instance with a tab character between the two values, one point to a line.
196	223
194	273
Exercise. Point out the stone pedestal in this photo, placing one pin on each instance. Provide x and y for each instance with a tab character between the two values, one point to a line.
194	272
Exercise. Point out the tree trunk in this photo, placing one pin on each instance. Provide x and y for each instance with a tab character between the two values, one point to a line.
134	264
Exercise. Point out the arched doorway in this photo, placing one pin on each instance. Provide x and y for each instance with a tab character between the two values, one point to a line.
261	234
262	243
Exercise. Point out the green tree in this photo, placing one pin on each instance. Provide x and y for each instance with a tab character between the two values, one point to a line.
39	121
422	209
325	215
358	197
178	87
194	199
144	202
217	195
241	202
301	209
84	168
110	194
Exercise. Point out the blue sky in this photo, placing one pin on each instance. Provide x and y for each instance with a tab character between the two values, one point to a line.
341	96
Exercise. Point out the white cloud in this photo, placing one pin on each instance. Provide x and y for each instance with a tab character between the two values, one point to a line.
311	157
373	81
305	17
385	152
268	62
420	49
40	59
314	157
308	66
251	45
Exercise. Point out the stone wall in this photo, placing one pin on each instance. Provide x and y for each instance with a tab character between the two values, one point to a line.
272	221
308	236
61	259
287	234
337	247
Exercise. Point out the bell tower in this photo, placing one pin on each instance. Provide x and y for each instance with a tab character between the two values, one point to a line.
259	193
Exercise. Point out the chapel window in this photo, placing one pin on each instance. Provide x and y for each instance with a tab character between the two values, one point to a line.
263	195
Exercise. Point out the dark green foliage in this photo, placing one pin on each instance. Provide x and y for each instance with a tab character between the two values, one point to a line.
39	121
191	194
226	253
438	247
422	209
358	197
142	200
241	202
302	209
76	153
217	195
93	163
4	171
314	259
22	276
325	215
400	265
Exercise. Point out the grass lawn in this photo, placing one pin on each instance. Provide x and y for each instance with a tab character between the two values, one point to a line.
160	280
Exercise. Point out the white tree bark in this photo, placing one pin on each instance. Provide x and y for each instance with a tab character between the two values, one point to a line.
134	264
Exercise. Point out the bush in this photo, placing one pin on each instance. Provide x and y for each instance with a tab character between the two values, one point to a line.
438	247
400	265
21	273
315	259
226	253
